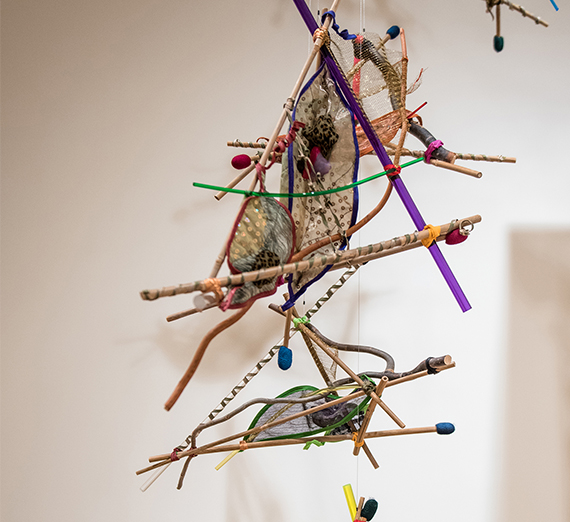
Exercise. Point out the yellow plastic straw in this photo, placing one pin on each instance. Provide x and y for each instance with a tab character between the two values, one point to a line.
227	459
350	501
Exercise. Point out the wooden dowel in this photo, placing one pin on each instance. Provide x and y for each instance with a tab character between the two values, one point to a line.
154	478
498	18
298	266
456	168
190	311
364	426
365	447
287	327
243	174
359	509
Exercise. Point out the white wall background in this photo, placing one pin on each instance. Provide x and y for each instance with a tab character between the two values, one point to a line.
110	110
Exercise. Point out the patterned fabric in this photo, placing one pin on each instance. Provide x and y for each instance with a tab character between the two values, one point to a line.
262	237
329	127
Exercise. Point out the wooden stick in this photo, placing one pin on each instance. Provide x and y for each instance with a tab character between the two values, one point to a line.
456	168
288	107
364	426
190	311
463	156
359	509
243	174
498	16
351	374
201	350
524	12
484	157
298	85
162	460
365	447
247	144
287	327
259	429
299	266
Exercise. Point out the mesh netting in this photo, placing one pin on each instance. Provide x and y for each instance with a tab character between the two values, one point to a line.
377	85
327	420
325	364
329	129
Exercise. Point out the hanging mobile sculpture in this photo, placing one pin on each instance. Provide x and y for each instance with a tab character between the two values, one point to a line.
353	105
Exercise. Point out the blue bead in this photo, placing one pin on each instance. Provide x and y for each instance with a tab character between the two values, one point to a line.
393	32
445	428
285	358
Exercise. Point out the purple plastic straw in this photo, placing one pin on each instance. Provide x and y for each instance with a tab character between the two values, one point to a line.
396	181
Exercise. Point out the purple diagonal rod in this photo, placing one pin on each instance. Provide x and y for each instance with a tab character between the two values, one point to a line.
396	181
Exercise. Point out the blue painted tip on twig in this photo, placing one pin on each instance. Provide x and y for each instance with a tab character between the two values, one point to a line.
393	32
445	428
554	4
284	358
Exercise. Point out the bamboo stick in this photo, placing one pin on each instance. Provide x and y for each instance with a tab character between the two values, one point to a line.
246	144
484	157
463	156
299	266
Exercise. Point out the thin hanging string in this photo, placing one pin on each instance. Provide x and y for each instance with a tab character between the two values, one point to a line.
358	294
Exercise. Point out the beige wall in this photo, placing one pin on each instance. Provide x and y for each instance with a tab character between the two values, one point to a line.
536	449
110	110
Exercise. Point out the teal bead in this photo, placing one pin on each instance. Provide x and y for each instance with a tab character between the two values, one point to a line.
498	43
